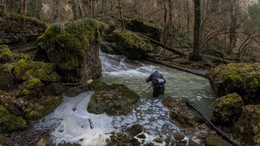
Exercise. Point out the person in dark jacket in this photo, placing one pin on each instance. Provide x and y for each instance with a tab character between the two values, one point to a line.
158	82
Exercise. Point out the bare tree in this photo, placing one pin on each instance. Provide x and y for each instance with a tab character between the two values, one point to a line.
196	34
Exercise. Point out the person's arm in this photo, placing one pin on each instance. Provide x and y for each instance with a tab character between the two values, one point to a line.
149	78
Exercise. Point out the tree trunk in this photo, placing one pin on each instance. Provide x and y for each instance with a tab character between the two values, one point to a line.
170	26
188	15
80	9
21	7
120	13
233	25
195	56
165	24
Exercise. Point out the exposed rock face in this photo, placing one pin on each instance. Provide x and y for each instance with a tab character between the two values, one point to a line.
241	78
248	127
16	29
227	109
73	48
131	45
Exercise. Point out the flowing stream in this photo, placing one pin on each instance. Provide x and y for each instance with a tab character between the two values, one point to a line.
71	122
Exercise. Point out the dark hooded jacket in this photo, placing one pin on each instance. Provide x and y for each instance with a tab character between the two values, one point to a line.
153	77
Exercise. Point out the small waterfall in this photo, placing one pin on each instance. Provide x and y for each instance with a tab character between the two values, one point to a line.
72	123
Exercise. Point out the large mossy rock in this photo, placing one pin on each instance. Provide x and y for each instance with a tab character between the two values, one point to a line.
73	48
6	78
131	45
247	129
146	28
10	122
25	68
241	78
16	29
8	103
31	89
115	99
227	109
216	141
43	108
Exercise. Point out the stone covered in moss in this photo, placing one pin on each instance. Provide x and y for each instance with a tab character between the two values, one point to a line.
215	141
6	79
134	130
25	68
241	78
131	45
9	122
227	109
5	53
248	126
54	89
31	88
72	48
16	29
143	27
115	99
4	140
42	109
7	103
179	111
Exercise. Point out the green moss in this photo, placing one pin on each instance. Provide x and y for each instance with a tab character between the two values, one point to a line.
31	88
4	141
6	79
9	122
54	89
5	53
131	45
112	99
42	109
24	68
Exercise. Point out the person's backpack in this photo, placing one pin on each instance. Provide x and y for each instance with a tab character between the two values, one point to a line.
158	81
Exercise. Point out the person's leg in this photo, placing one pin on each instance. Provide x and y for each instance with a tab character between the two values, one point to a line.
156	92
162	90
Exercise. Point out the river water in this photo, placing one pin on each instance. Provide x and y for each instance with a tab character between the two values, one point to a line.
72	123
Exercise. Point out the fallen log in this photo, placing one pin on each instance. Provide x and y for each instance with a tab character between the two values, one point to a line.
177	67
220	132
147	39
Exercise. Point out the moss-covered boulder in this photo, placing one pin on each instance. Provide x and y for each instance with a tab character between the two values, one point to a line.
43	108
10	122
134	130
227	109
31	89
6	79
7	103
216	141
241	78
16	29
25	68
73	48
115	99
247	129
180	113
143	27
131	45
54	89
5	53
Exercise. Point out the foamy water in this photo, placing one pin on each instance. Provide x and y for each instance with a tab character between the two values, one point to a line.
72	123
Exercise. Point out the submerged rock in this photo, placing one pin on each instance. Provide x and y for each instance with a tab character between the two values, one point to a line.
134	130
115	99
73	48
241	78
248	128
10	122
227	109
131	45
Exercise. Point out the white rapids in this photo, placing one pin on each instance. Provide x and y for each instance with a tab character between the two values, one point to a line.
71	122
